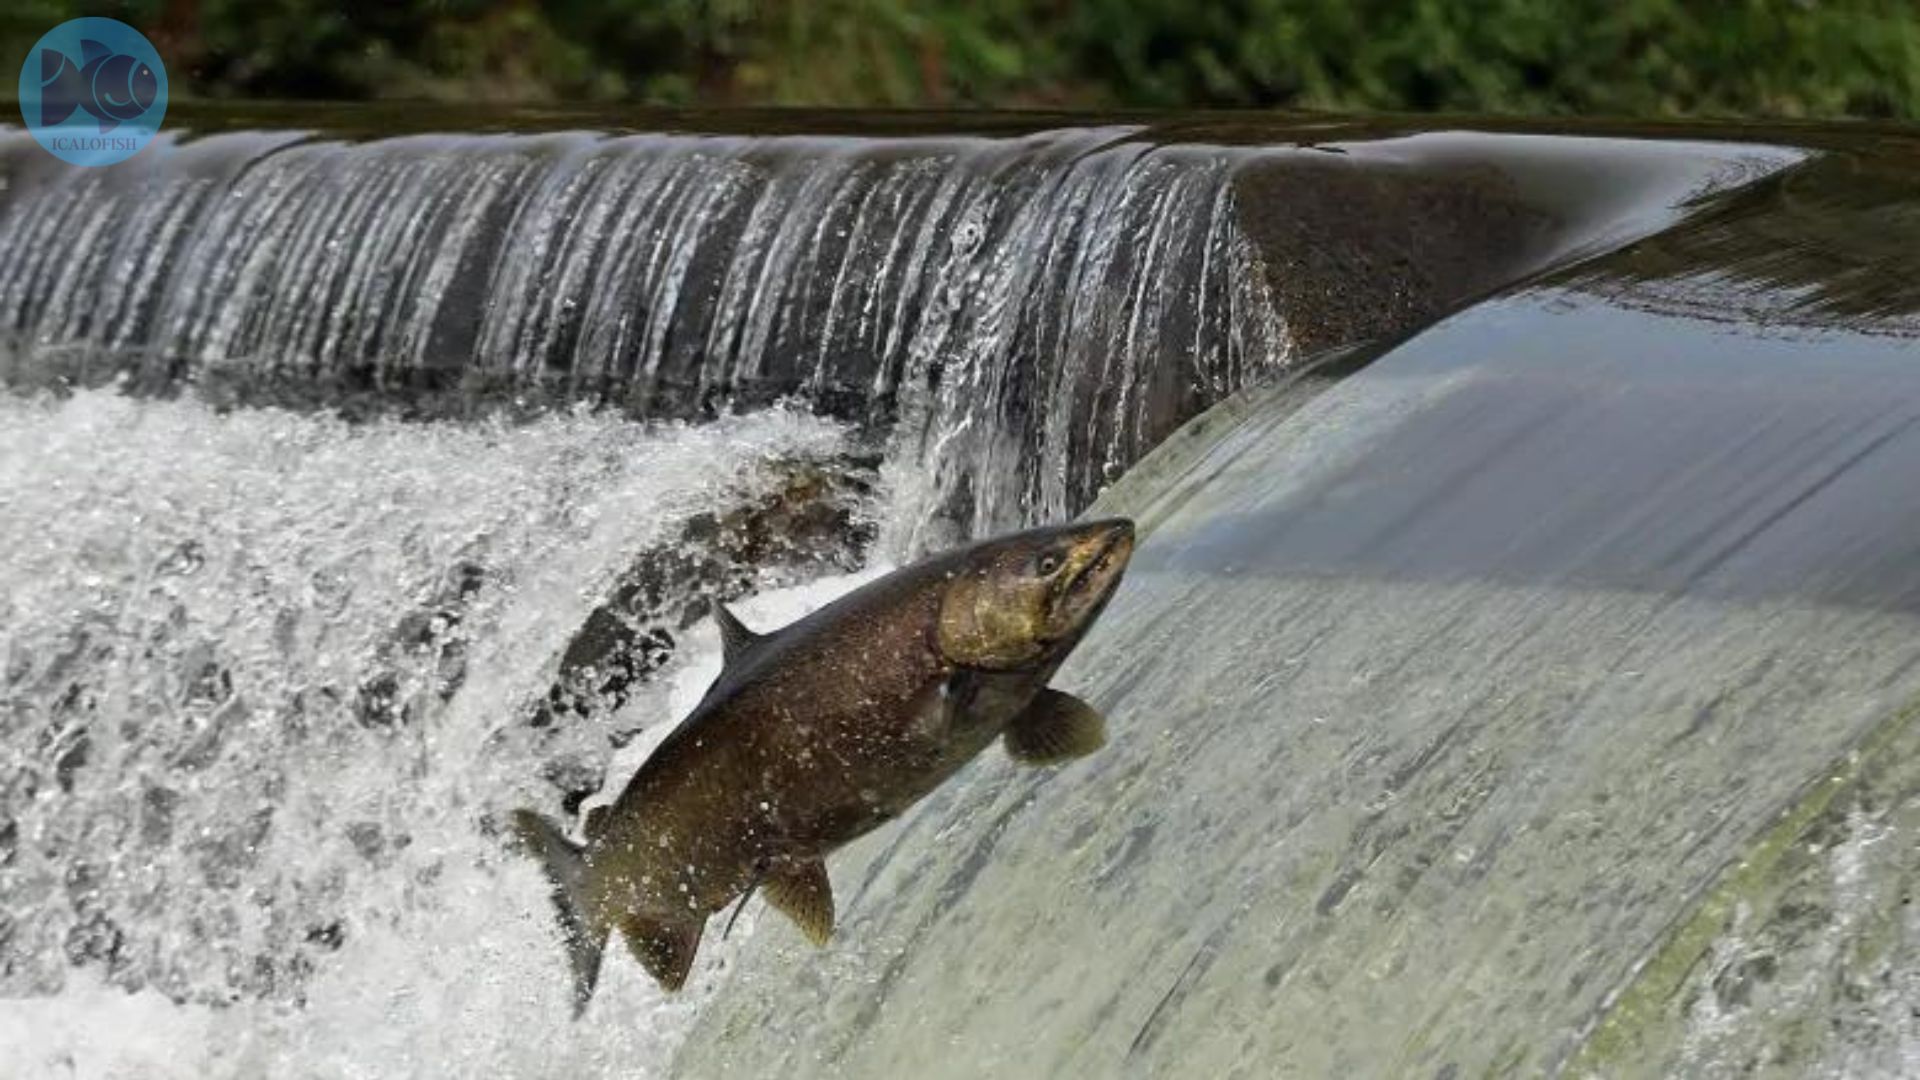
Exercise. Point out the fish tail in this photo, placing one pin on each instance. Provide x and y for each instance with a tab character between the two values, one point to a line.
62	87
566	866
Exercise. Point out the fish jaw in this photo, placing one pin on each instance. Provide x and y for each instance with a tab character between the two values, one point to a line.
1098	562
1021	602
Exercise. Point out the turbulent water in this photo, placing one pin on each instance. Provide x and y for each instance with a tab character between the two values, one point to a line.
197	807
1034	312
269	667
319	458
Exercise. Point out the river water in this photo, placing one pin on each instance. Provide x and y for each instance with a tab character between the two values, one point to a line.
1451	679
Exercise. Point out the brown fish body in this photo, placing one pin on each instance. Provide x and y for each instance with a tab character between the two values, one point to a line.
821	732
809	742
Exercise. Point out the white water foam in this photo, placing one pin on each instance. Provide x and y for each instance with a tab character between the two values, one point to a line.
138	947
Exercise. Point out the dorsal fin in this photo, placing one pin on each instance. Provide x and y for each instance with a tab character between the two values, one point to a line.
596	820
736	641
91	50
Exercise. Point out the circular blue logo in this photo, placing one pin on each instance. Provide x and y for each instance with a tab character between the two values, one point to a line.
93	91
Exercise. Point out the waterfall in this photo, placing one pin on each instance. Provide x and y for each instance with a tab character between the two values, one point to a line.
187	642
329	469
269	670
1035	312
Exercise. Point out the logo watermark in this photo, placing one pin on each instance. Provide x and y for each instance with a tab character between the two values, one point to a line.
93	91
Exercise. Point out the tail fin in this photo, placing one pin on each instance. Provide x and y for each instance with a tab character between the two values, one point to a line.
566	869
62	87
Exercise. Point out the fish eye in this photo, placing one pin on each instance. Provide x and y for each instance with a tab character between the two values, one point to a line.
1049	563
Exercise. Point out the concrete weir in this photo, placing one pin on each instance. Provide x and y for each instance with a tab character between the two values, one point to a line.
1518	673
1024	311
1537	699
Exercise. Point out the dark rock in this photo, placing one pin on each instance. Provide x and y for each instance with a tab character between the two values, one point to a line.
809	524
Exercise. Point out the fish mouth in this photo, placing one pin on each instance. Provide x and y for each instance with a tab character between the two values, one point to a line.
1099	574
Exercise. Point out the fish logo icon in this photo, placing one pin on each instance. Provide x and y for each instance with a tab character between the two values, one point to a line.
93	91
110	86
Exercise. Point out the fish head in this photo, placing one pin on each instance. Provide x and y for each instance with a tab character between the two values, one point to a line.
124	87
1024	600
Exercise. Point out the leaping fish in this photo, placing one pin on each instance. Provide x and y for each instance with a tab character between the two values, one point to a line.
817	733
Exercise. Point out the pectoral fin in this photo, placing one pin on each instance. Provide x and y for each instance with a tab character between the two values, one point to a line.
665	949
1055	727
801	892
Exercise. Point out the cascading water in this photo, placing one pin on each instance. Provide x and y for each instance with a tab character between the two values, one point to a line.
1035	312
196	804
269	672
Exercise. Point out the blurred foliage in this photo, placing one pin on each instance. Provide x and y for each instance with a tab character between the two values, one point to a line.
1627	57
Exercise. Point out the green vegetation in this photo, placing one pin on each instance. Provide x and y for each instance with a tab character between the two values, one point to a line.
1623	57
